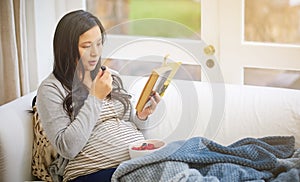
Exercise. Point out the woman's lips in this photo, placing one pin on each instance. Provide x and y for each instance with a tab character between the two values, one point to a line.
92	63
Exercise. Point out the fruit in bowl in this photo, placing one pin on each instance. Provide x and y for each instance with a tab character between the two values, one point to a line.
143	147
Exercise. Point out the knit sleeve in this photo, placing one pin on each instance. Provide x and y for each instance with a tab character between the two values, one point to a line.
140	124
68	137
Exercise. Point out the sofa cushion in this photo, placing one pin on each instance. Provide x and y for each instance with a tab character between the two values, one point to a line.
43	153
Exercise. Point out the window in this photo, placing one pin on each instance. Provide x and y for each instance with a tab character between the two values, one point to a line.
164	15
172	26
272	21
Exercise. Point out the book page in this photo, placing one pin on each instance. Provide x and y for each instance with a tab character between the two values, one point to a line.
161	83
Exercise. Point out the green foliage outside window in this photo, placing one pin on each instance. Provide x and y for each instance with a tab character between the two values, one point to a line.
166	17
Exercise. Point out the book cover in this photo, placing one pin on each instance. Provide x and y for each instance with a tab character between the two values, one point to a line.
158	81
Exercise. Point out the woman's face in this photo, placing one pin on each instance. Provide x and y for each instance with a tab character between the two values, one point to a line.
90	48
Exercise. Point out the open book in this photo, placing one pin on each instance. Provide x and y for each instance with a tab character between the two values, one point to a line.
158	81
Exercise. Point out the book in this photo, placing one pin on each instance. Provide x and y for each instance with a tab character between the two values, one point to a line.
158	81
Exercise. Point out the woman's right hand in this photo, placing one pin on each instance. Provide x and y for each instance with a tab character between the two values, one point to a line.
102	84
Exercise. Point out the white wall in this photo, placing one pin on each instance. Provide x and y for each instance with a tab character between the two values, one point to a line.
45	26
42	18
31	45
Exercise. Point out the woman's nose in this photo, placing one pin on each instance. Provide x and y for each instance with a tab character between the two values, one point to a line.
94	51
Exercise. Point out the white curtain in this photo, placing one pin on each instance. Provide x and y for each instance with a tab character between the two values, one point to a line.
14	79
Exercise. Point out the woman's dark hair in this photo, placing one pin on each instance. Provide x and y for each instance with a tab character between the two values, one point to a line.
67	61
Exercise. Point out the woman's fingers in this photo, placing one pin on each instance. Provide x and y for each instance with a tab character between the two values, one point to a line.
150	106
102	84
157	98
153	104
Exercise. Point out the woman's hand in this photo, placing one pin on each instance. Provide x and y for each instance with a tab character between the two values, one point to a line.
102	84
154	100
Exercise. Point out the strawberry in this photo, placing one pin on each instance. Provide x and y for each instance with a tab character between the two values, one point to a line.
150	146
144	146
135	148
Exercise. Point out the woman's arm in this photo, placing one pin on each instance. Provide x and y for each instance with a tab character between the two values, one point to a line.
141	118
140	124
67	137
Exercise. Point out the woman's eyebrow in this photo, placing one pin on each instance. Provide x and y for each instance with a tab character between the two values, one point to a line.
89	42
86	42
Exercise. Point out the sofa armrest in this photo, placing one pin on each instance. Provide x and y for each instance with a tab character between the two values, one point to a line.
16	136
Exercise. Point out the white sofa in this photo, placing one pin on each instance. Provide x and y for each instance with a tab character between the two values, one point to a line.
194	109
16	136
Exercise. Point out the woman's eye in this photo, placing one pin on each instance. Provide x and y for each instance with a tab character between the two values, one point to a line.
86	46
99	44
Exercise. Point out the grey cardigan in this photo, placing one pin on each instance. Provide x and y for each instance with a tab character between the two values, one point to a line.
69	137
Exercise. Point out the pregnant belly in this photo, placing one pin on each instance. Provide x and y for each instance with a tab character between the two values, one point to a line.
110	140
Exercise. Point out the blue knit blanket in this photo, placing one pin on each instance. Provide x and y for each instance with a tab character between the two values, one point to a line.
201	159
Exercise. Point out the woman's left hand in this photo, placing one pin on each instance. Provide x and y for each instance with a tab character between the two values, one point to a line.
154	100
